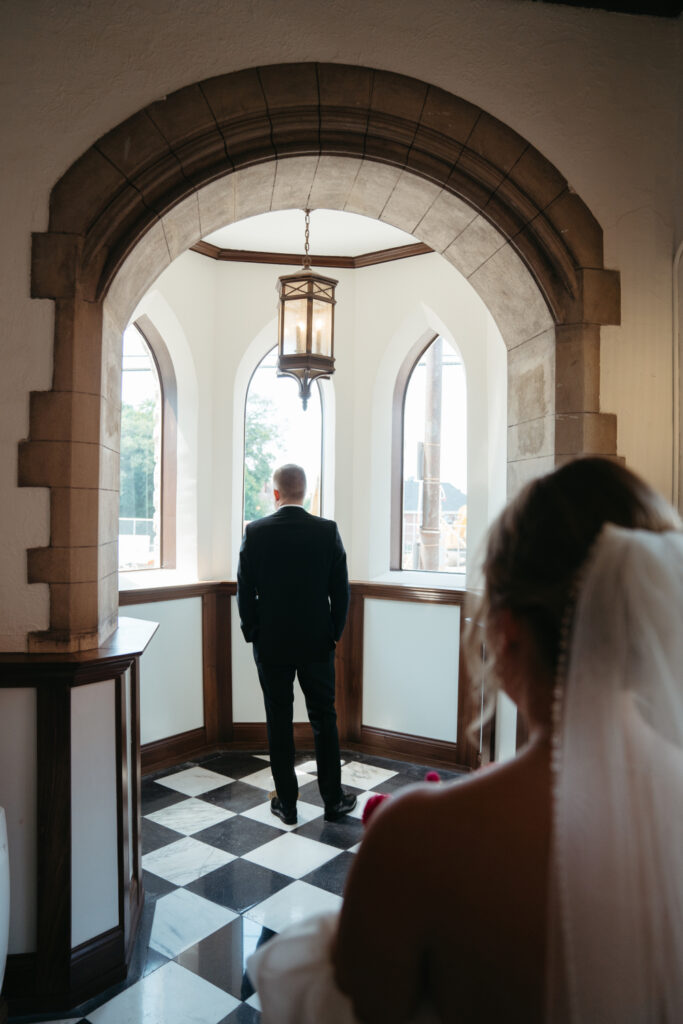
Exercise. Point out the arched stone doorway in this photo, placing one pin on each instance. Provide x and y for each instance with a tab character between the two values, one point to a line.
292	135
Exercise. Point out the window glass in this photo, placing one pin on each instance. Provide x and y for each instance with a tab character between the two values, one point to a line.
434	519
140	491
278	430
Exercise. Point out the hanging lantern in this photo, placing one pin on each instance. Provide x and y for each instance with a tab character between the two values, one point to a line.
306	325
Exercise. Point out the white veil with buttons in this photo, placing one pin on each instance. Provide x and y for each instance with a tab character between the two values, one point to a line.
616	927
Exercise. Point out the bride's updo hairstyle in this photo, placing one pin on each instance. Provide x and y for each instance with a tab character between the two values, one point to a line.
542	538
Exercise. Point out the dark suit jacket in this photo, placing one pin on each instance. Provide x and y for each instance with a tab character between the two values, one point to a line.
292	586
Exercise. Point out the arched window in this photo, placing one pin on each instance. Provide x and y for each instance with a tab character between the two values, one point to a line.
147	520
278	430
430	534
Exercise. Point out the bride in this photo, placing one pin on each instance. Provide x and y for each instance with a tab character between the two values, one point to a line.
548	888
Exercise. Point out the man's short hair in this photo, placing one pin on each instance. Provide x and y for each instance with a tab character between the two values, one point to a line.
290	481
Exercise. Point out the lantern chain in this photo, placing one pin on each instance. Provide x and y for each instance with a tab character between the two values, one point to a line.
307	258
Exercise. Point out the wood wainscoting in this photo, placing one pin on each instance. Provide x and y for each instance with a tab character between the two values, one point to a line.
219	731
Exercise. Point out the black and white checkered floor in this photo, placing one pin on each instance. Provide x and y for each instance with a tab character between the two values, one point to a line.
222	874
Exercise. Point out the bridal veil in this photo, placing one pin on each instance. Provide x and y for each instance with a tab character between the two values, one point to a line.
616	926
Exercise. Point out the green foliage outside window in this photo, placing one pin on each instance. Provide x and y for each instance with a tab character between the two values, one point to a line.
260	437
137	460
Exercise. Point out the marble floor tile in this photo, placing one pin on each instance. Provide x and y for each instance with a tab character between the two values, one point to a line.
154	835
244	1014
239	885
153	796
298	901
189	816
194	781
264	779
304	811
332	875
357	812
235	765
185	860
239	834
235	796
364	776
182	919
292	855
172	995
221	958
343	833
155	887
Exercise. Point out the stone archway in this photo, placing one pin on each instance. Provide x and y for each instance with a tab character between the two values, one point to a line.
292	135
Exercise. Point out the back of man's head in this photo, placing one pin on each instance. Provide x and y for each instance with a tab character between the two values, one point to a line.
290	481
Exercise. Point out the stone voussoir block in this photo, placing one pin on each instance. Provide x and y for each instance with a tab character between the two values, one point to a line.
55	263
83	192
586	433
62	565
577	368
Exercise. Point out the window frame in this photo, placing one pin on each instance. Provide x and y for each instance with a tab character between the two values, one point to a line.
321	398
168	470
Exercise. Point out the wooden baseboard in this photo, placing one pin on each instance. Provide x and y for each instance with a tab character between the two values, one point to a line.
406	747
255	734
171	750
93	967
97	964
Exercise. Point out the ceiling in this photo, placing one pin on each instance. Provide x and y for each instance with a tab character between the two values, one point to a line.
332	233
654	8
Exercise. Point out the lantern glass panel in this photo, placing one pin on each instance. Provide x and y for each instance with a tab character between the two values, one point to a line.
294	327
321	343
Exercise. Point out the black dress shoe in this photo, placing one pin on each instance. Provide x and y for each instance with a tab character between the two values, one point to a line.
333	812
285	815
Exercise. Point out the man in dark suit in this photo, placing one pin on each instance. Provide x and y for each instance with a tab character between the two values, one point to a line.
293	596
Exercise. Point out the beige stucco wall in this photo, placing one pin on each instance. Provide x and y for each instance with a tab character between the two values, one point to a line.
596	93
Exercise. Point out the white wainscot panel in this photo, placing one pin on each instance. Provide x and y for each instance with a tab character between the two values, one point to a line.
94	842
410	668
247	700
171	687
18	795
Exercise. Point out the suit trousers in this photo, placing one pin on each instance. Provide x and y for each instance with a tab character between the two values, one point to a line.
317	683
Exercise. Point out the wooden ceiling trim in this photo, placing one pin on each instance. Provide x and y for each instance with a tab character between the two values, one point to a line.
368	259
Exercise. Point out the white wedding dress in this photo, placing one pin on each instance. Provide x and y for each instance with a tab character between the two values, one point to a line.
616	914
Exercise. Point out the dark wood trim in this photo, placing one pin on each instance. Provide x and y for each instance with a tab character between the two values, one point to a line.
292	259
397	434
175	592
349	672
123	824
224	665
53	895
522	734
169	437
468	708
95	965
20	979
209	677
136	895
381	591
254	735
408	747
173	749
417	595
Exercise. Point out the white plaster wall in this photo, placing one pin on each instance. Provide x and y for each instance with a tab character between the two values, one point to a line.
94	839
410	685
381	313
596	93
171	689
18	795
